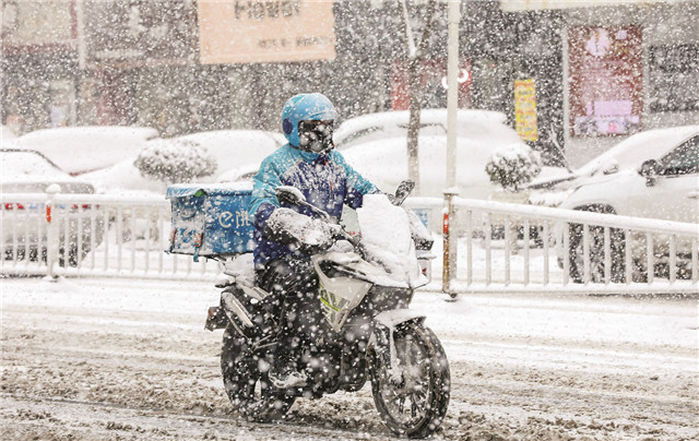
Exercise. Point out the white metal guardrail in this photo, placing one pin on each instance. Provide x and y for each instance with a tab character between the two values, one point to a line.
487	247
573	251
91	235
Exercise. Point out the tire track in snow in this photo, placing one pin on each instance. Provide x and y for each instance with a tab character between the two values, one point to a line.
158	371
105	417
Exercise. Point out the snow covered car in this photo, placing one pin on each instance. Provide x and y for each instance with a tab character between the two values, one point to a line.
375	145
628	154
235	152
79	150
433	122
23	225
665	186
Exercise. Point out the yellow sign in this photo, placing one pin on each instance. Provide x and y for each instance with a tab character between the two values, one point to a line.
247	31
525	110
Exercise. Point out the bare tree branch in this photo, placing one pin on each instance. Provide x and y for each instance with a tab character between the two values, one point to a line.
415	86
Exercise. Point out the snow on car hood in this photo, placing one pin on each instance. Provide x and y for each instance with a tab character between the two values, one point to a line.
27	166
563	190
597	188
28	172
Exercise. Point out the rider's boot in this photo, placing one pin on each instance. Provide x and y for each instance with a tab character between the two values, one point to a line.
284	373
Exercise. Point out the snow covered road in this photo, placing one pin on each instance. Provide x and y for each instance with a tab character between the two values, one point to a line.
105	359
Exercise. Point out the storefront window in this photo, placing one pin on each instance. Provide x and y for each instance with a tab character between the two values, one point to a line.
674	78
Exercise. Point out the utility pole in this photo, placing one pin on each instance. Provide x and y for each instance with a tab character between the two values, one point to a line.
454	17
449	237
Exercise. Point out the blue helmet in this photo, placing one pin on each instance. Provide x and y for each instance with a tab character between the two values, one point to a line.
305	107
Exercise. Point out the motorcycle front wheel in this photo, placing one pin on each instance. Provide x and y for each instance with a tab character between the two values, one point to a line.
412	400
246	383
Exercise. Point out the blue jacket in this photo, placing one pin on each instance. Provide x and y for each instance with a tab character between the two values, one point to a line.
326	181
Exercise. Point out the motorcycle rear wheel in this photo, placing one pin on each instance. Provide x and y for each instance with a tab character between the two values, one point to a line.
247	386
414	404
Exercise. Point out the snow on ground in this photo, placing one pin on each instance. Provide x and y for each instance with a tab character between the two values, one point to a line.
108	359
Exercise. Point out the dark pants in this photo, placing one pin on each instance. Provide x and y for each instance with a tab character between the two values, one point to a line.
293	286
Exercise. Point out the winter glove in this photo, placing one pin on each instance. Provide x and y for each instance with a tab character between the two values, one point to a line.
288	226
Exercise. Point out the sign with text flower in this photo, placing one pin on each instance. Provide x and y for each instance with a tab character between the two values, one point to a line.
238	31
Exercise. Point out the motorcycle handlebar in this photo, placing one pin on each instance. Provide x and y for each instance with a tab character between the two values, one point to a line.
402	192
341	232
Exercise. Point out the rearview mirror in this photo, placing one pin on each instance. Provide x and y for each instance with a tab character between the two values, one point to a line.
403	191
289	195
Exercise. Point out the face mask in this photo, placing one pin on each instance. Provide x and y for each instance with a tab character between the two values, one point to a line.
316	136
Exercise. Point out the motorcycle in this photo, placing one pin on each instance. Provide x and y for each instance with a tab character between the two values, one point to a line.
368	332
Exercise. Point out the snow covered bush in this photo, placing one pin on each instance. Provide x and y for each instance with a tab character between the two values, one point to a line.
172	160
513	165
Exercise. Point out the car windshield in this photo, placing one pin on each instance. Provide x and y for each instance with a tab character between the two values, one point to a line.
22	164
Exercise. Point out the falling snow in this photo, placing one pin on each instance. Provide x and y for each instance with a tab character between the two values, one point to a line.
577	104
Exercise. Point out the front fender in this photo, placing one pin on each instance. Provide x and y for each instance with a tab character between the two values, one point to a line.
385	323
392	318
382	341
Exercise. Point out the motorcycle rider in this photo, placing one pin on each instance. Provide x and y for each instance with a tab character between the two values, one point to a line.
283	235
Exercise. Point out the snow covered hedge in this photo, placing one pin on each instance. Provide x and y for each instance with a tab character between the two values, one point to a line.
513	165
173	160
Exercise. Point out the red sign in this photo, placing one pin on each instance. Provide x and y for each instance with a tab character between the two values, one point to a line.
433	78
606	80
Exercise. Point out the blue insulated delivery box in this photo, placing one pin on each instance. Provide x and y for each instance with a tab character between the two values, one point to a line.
210	220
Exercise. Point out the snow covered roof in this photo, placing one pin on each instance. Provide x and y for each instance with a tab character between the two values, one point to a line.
81	149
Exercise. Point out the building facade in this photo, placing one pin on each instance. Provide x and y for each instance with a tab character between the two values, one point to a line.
40	73
573	77
625	67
